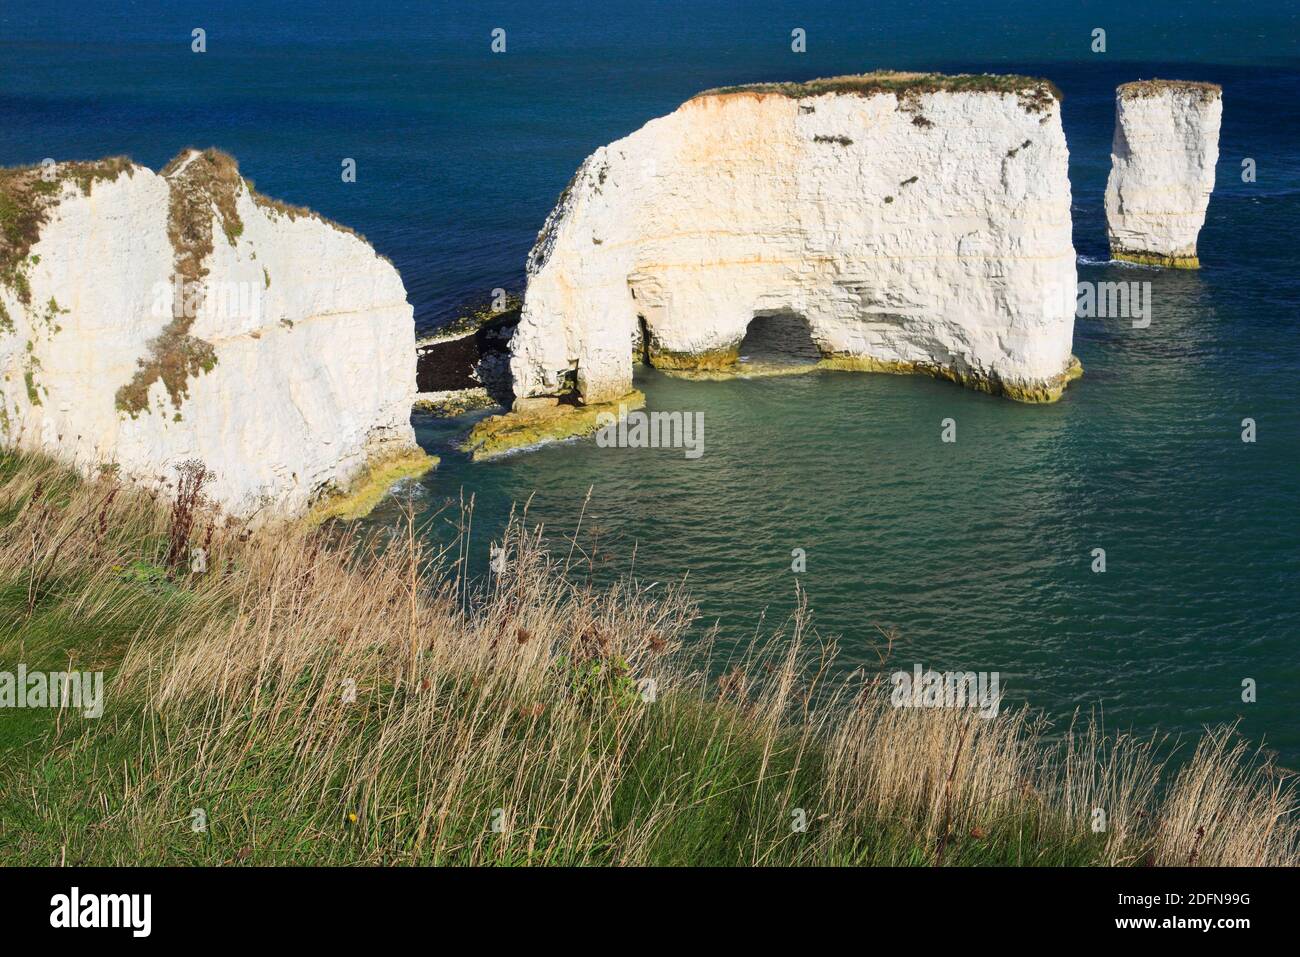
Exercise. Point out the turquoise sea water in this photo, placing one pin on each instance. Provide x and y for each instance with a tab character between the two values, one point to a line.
977	552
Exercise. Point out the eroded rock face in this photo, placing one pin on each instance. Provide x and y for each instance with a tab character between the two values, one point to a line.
150	319
914	223
1162	170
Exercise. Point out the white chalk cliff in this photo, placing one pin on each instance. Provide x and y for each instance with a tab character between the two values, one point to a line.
916	223
1162	169
149	319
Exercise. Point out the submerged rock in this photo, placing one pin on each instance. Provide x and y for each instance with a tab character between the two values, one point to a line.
452	403
890	222
1163	156
148	319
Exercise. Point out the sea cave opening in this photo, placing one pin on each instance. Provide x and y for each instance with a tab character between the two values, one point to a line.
779	337
641	343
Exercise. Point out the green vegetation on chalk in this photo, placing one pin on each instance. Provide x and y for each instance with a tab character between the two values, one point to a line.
1140	89
29	379
1035	94
199	182
27	194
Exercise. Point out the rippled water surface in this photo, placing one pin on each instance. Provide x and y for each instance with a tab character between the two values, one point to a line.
979	552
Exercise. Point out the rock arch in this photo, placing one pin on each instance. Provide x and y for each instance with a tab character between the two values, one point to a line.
920	223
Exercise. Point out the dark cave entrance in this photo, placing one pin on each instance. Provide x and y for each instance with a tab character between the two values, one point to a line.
641	344
781	337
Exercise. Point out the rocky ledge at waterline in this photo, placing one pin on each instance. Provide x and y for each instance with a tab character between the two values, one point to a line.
149	319
906	222
1163	156
465	365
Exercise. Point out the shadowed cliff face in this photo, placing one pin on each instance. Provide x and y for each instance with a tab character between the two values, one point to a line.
444	366
469	361
922	229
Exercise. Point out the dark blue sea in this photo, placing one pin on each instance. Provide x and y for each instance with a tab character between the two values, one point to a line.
978	554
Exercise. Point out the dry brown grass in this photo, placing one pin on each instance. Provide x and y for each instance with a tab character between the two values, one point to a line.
333	701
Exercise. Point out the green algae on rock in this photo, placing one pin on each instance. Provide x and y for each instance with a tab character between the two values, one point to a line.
711	360
1156	259
532	423
369	488
452	403
1031	392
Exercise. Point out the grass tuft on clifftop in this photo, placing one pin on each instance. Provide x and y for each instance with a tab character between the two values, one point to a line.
1035	94
1140	89
316	698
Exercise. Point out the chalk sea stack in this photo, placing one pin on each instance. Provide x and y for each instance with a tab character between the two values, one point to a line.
149	319
904	222
1163	155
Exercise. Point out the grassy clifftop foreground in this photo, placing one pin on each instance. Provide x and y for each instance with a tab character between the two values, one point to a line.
311	699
